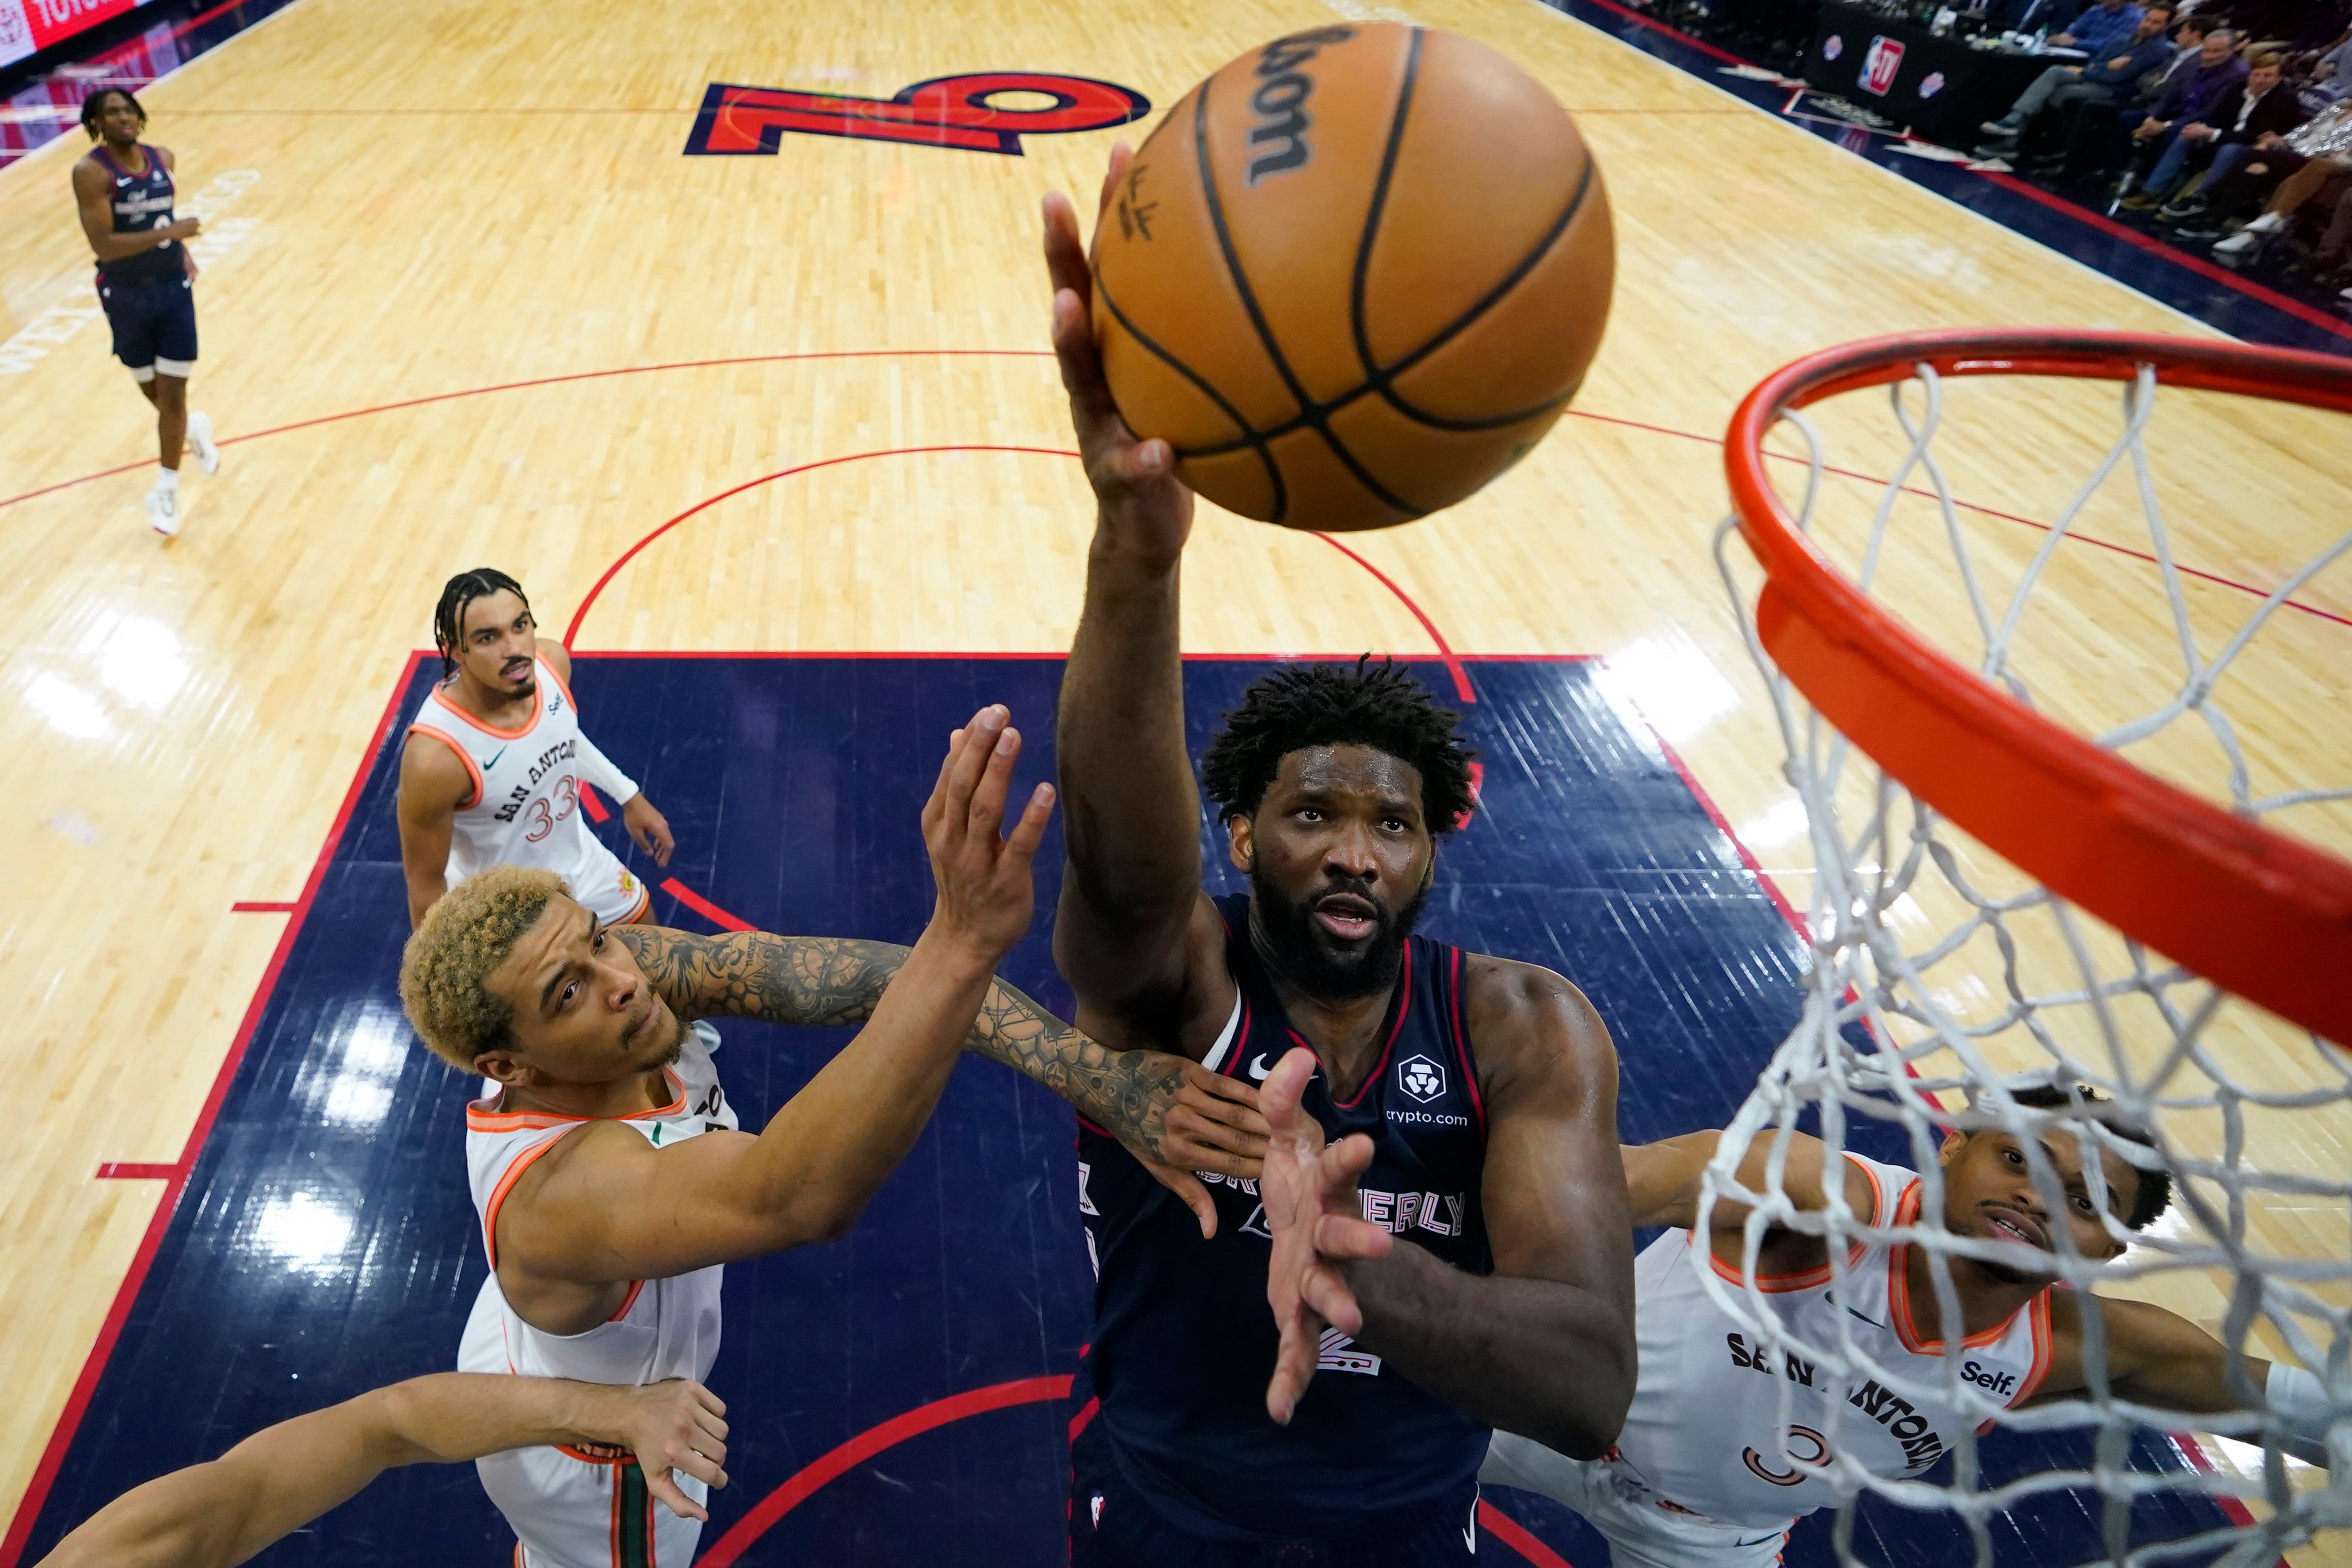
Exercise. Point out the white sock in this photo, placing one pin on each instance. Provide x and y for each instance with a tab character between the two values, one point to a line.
167	478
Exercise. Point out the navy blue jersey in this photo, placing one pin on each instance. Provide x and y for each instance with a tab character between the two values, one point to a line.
1184	1342
140	202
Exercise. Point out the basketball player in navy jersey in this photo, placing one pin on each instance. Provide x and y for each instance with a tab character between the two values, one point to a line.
146	282
1486	1090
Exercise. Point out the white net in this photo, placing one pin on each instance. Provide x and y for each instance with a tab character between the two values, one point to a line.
1942	977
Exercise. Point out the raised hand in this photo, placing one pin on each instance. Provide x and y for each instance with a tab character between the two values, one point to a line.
674	1426
1311	1207
985	895
1145	508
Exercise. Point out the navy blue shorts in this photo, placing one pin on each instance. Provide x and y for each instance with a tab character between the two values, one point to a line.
152	321
1112	1526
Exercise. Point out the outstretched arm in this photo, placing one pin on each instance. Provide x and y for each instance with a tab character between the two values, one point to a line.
603	1206
1126	937
280	1479
2161	1360
1543	1345
1662	1179
1171	1113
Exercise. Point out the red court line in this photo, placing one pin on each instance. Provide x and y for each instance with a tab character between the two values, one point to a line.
703	906
45	1474
257	908
2178	258
126	1171
868	1443
1086	1414
552	381
1723	825
571	632
1462	687
1514	1534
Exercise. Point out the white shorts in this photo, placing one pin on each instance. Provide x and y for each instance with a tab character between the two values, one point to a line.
1641	1531
569	1512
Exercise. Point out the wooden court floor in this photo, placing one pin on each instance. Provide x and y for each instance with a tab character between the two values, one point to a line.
468	303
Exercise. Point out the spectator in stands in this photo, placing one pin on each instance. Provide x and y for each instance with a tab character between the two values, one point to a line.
2108	80
2242	177
2084	125
2331	75
2102	28
2318	179
2192	97
2224	137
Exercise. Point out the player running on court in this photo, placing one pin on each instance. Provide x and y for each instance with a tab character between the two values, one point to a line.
608	1171
1488	1088
491	771
219	1514
146	282
1701	1474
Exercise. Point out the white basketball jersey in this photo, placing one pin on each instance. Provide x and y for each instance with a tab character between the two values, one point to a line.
571	1508
525	808
1704	1433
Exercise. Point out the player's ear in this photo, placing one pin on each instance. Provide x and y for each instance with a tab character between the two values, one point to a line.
1954	1141
501	1068
1241	842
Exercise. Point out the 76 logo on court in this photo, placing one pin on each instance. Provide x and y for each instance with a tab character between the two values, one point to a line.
944	111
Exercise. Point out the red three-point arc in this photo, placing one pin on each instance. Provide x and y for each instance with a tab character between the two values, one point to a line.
945	112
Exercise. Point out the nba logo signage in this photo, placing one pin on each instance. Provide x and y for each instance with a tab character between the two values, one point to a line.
1879	63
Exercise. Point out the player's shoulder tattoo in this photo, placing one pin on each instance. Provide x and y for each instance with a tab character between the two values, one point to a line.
808	980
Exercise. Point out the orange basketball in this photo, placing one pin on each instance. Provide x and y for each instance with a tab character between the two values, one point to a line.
1353	275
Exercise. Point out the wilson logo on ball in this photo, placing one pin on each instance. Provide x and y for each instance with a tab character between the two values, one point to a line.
945	112
1280	101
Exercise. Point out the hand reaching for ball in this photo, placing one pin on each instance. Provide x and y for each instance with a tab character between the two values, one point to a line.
1144	507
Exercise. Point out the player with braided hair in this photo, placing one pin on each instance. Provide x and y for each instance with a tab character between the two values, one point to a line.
491	771
1730	1436
1469	1101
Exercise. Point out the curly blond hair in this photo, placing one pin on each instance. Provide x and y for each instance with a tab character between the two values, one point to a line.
461	941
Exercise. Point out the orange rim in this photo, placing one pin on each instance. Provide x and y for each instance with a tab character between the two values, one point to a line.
2261	915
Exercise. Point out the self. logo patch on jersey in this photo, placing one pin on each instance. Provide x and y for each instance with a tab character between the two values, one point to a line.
945	112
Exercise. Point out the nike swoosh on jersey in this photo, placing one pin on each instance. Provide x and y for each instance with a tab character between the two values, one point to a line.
1258	1067
494	759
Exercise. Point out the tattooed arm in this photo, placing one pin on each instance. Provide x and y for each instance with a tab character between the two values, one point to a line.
1172	1114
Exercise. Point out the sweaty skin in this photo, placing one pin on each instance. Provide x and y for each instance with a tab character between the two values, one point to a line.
1543	1345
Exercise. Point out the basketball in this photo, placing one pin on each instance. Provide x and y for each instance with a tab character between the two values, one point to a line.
1353	275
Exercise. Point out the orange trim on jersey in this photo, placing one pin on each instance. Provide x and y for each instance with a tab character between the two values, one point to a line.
2045	1348
479	1118
473	769
569	1452
627	1301
506	1178
442	697
1899	1292
645	902
1805	1278
561	685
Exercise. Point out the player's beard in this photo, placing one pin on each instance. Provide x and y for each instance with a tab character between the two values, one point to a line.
678	1027
1311	960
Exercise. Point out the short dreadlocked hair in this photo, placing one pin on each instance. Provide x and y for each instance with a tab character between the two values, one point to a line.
95	105
456	946
1363	704
2152	1193
449	614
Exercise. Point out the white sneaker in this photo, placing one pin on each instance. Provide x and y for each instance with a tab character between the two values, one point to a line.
2238	243
164	511
2268	223
200	438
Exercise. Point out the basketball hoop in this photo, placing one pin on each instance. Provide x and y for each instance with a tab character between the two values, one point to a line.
1994	879
2259	914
